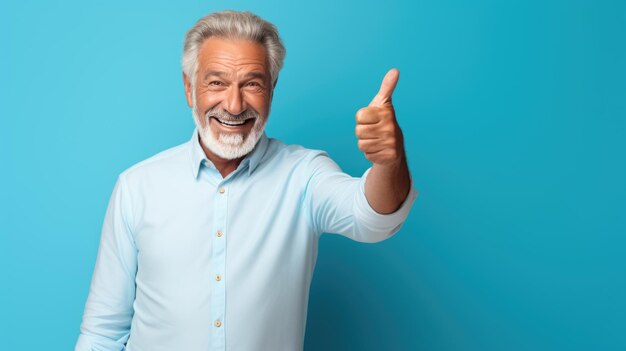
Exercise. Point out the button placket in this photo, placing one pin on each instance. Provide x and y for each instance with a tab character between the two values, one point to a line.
218	283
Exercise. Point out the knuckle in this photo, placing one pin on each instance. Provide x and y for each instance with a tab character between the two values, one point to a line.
358	130
361	114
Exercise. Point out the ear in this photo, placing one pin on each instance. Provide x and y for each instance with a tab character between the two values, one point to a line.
188	91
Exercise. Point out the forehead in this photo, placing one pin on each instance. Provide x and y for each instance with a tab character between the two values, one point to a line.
232	54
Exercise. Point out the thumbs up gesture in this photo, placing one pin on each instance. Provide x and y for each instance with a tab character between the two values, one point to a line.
379	134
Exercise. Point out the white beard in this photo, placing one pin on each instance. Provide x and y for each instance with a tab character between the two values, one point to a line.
228	146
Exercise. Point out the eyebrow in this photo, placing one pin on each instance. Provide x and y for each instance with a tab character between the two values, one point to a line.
223	75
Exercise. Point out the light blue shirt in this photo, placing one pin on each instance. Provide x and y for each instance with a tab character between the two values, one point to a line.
190	261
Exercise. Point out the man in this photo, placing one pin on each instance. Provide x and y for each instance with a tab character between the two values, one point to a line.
211	245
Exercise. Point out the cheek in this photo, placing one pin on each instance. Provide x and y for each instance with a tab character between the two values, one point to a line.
206	101
260	104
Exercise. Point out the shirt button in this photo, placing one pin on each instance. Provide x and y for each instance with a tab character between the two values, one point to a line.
219	233
217	323
222	190
218	277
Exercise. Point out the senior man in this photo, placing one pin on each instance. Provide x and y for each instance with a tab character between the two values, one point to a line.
211	245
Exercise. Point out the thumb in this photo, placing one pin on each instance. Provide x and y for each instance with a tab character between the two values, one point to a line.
386	88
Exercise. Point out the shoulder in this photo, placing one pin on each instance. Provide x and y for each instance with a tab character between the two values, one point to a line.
163	164
293	160
291	154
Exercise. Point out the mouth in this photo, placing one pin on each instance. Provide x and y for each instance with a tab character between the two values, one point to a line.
233	123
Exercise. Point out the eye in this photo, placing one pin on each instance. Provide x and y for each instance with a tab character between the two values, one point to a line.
215	83
252	84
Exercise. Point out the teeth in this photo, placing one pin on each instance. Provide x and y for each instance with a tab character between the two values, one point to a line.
232	123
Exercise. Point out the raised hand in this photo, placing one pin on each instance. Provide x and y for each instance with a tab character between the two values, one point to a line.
379	134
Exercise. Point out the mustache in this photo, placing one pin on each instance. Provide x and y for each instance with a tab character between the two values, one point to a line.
227	116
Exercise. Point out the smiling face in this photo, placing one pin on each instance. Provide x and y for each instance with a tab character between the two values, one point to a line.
231	95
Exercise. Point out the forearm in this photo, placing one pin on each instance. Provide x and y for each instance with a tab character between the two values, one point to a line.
387	186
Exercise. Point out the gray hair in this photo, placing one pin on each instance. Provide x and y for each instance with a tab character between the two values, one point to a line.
233	25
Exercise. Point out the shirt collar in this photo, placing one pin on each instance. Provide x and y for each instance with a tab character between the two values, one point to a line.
252	160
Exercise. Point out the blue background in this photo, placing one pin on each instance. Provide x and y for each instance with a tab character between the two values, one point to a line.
514	115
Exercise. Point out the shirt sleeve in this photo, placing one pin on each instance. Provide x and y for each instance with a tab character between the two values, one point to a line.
337	204
109	308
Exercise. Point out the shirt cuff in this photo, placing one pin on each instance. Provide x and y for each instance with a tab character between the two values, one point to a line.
391	221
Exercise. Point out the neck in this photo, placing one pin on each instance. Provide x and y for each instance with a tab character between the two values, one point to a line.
224	166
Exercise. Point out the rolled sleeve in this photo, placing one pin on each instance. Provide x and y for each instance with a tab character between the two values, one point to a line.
380	225
337	204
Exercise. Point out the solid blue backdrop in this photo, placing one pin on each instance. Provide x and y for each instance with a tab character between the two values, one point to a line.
514	116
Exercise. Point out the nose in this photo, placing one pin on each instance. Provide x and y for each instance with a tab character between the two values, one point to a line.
234	102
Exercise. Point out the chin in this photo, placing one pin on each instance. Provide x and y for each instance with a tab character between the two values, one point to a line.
229	146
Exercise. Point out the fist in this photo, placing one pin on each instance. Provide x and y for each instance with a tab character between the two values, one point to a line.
377	130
